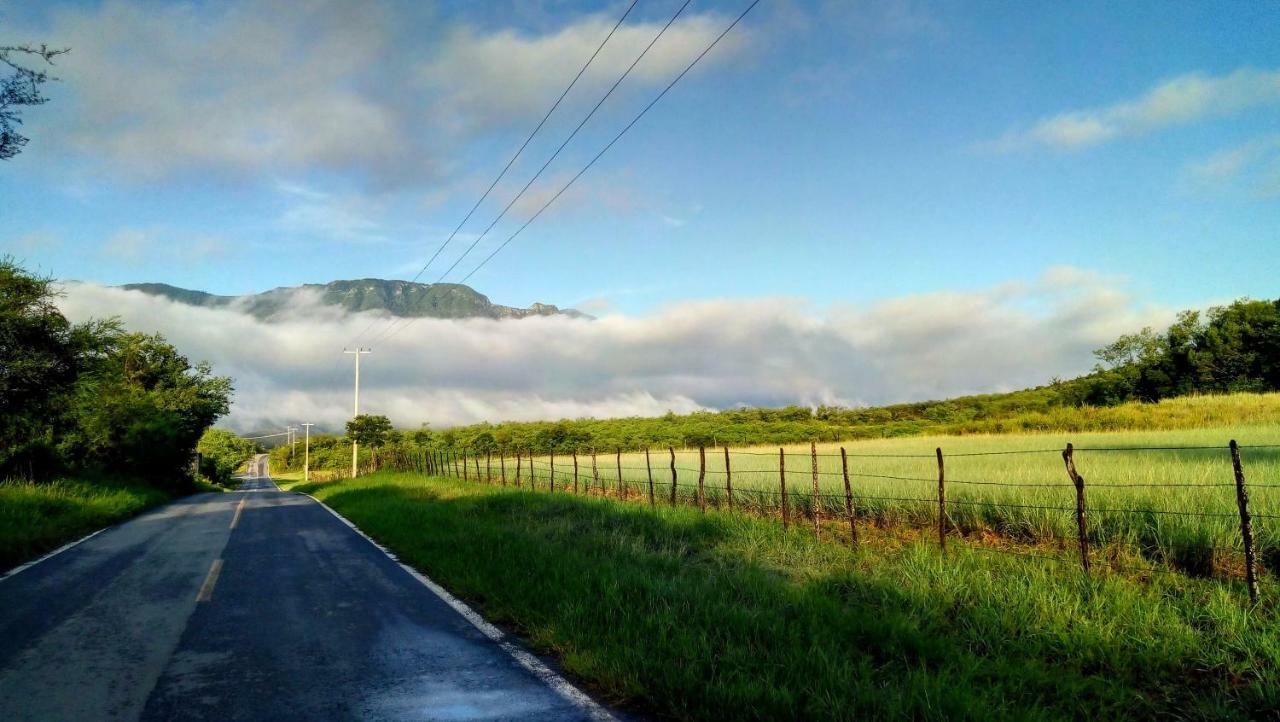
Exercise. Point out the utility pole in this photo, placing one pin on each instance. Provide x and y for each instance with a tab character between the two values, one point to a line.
355	446
306	453
293	441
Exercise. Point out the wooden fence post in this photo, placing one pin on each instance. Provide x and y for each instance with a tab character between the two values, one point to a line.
848	498
817	498
595	472
728	478
942	502
488	467
649	471
1246	524
622	494
575	471
502	466
518	462
702	477
673	475
782	484
553	470
1068	458
533	485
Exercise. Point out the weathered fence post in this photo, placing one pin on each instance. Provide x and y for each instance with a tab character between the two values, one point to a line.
1068	458
477	460
673	475
488	467
728	478
595	472
1246	524
648	468
533	485
817	498
502	466
518	462
622	494
553	470
942	502
702	477
575	471
456	475
782	484
848	497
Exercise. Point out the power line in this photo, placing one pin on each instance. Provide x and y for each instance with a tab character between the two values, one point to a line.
616	138
523	145
604	150
391	330
571	136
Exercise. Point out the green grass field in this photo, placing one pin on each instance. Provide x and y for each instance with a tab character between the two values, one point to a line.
728	616
1167	507
36	518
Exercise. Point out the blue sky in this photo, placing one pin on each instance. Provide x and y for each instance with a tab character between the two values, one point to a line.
835	152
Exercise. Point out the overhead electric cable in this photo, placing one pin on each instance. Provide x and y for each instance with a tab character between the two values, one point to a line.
570	137
391	331
616	138
513	159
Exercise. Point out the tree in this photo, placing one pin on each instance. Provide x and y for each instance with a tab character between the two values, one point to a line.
222	452
21	88
141	407
39	363
371	430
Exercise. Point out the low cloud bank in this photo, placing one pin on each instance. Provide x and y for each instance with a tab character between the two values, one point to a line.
687	356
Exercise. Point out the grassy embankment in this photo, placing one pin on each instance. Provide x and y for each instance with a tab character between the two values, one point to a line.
730	616
1166	506
36	518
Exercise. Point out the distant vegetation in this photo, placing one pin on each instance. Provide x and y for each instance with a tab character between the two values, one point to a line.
96	422
1230	349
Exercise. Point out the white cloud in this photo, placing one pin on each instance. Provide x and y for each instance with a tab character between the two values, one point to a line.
712	354
1255	165
162	245
485	80
366	91
1180	101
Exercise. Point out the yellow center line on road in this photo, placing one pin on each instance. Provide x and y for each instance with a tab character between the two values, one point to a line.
239	508
206	589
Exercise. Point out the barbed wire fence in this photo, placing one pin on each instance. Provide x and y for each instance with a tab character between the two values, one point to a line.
673	477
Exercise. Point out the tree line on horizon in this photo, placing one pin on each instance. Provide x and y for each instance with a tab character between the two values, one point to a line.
1227	349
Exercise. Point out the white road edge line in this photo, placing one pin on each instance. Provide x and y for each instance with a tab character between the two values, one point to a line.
52	554
531	663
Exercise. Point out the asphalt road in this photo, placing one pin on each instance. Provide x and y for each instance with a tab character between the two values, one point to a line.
258	604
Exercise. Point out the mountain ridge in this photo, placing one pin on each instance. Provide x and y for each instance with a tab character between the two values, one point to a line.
404	299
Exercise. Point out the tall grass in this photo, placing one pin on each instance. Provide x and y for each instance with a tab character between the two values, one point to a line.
1174	507
730	617
35	518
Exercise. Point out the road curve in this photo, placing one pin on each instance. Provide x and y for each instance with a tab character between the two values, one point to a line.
258	604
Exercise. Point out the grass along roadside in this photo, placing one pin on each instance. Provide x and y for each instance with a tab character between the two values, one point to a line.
1169	506
37	518
728	616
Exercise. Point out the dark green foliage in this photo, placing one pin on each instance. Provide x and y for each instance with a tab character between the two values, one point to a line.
1231	348
94	397
372	430
221	453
